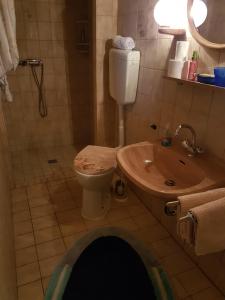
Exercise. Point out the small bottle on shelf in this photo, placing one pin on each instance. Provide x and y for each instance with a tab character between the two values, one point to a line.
192	75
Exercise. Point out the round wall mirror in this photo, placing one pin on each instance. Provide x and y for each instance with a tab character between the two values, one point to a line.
211	33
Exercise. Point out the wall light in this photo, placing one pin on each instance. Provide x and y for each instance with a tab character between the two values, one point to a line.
173	13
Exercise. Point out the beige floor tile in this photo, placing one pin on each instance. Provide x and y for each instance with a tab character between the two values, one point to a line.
28	273
44	222
20	206
208	294
132	198
68	215
69	228
57	187
136	210
118	204
48	265
177	263
21	216
64	205
178	290
144	220
127	224
19	194
26	256
49	249
41	211
31	291
34	202
71	239
24	241
47	234
45	282
23	227
151	234
61	197
37	191
193	281
165	247
118	214
96	224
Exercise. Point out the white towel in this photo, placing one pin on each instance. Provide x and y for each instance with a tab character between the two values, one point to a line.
9	56
124	43
209	233
188	202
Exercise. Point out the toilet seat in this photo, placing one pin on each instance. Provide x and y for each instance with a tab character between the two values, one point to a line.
95	160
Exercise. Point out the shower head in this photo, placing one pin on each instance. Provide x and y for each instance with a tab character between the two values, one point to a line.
30	62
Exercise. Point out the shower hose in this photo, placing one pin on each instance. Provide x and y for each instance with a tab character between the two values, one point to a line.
39	83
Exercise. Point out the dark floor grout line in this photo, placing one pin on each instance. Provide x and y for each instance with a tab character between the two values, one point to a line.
36	248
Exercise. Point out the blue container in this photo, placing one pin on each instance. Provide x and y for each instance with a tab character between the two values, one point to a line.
207	79
219	76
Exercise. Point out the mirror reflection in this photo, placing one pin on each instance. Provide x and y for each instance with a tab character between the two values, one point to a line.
213	29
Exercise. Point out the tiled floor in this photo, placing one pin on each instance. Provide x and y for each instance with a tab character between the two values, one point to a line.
46	211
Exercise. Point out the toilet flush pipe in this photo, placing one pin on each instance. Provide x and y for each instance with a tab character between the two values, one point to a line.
121	126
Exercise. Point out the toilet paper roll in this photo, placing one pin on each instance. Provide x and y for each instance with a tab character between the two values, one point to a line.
175	68
182	48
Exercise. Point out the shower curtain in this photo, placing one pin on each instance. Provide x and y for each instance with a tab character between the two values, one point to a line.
9	56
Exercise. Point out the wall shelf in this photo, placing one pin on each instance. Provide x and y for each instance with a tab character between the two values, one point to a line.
193	83
171	31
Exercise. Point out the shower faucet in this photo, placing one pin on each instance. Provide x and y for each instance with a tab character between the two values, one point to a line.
30	62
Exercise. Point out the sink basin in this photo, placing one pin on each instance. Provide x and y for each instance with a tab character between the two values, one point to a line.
170	172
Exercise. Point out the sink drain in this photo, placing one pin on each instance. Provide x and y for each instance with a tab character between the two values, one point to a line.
170	182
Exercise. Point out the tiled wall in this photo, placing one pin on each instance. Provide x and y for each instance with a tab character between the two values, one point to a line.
105	107
43	31
80	68
167	104
7	256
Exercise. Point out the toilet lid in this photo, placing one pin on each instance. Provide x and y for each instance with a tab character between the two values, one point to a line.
95	160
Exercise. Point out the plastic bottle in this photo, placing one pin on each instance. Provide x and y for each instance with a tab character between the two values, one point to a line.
193	66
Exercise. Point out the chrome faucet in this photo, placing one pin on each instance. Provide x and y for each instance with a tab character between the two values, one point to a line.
191	146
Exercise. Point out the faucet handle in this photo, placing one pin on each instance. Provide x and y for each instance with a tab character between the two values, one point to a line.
200	150
187	145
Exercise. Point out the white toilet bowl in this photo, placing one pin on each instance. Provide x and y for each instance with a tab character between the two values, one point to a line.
94	167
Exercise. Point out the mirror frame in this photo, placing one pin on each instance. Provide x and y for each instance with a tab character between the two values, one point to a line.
196	35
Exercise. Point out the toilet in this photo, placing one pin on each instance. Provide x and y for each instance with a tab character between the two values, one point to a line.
94	167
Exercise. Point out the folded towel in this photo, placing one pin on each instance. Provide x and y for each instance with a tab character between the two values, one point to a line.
186	203
189	201
125	43
209	233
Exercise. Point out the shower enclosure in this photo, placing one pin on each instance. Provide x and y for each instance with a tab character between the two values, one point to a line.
53	99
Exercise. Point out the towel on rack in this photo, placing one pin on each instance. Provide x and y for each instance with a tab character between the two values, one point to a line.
189	201
8	45
209	233
124	43
186	203
9	56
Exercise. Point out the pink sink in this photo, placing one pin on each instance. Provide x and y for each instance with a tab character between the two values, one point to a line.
170	172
